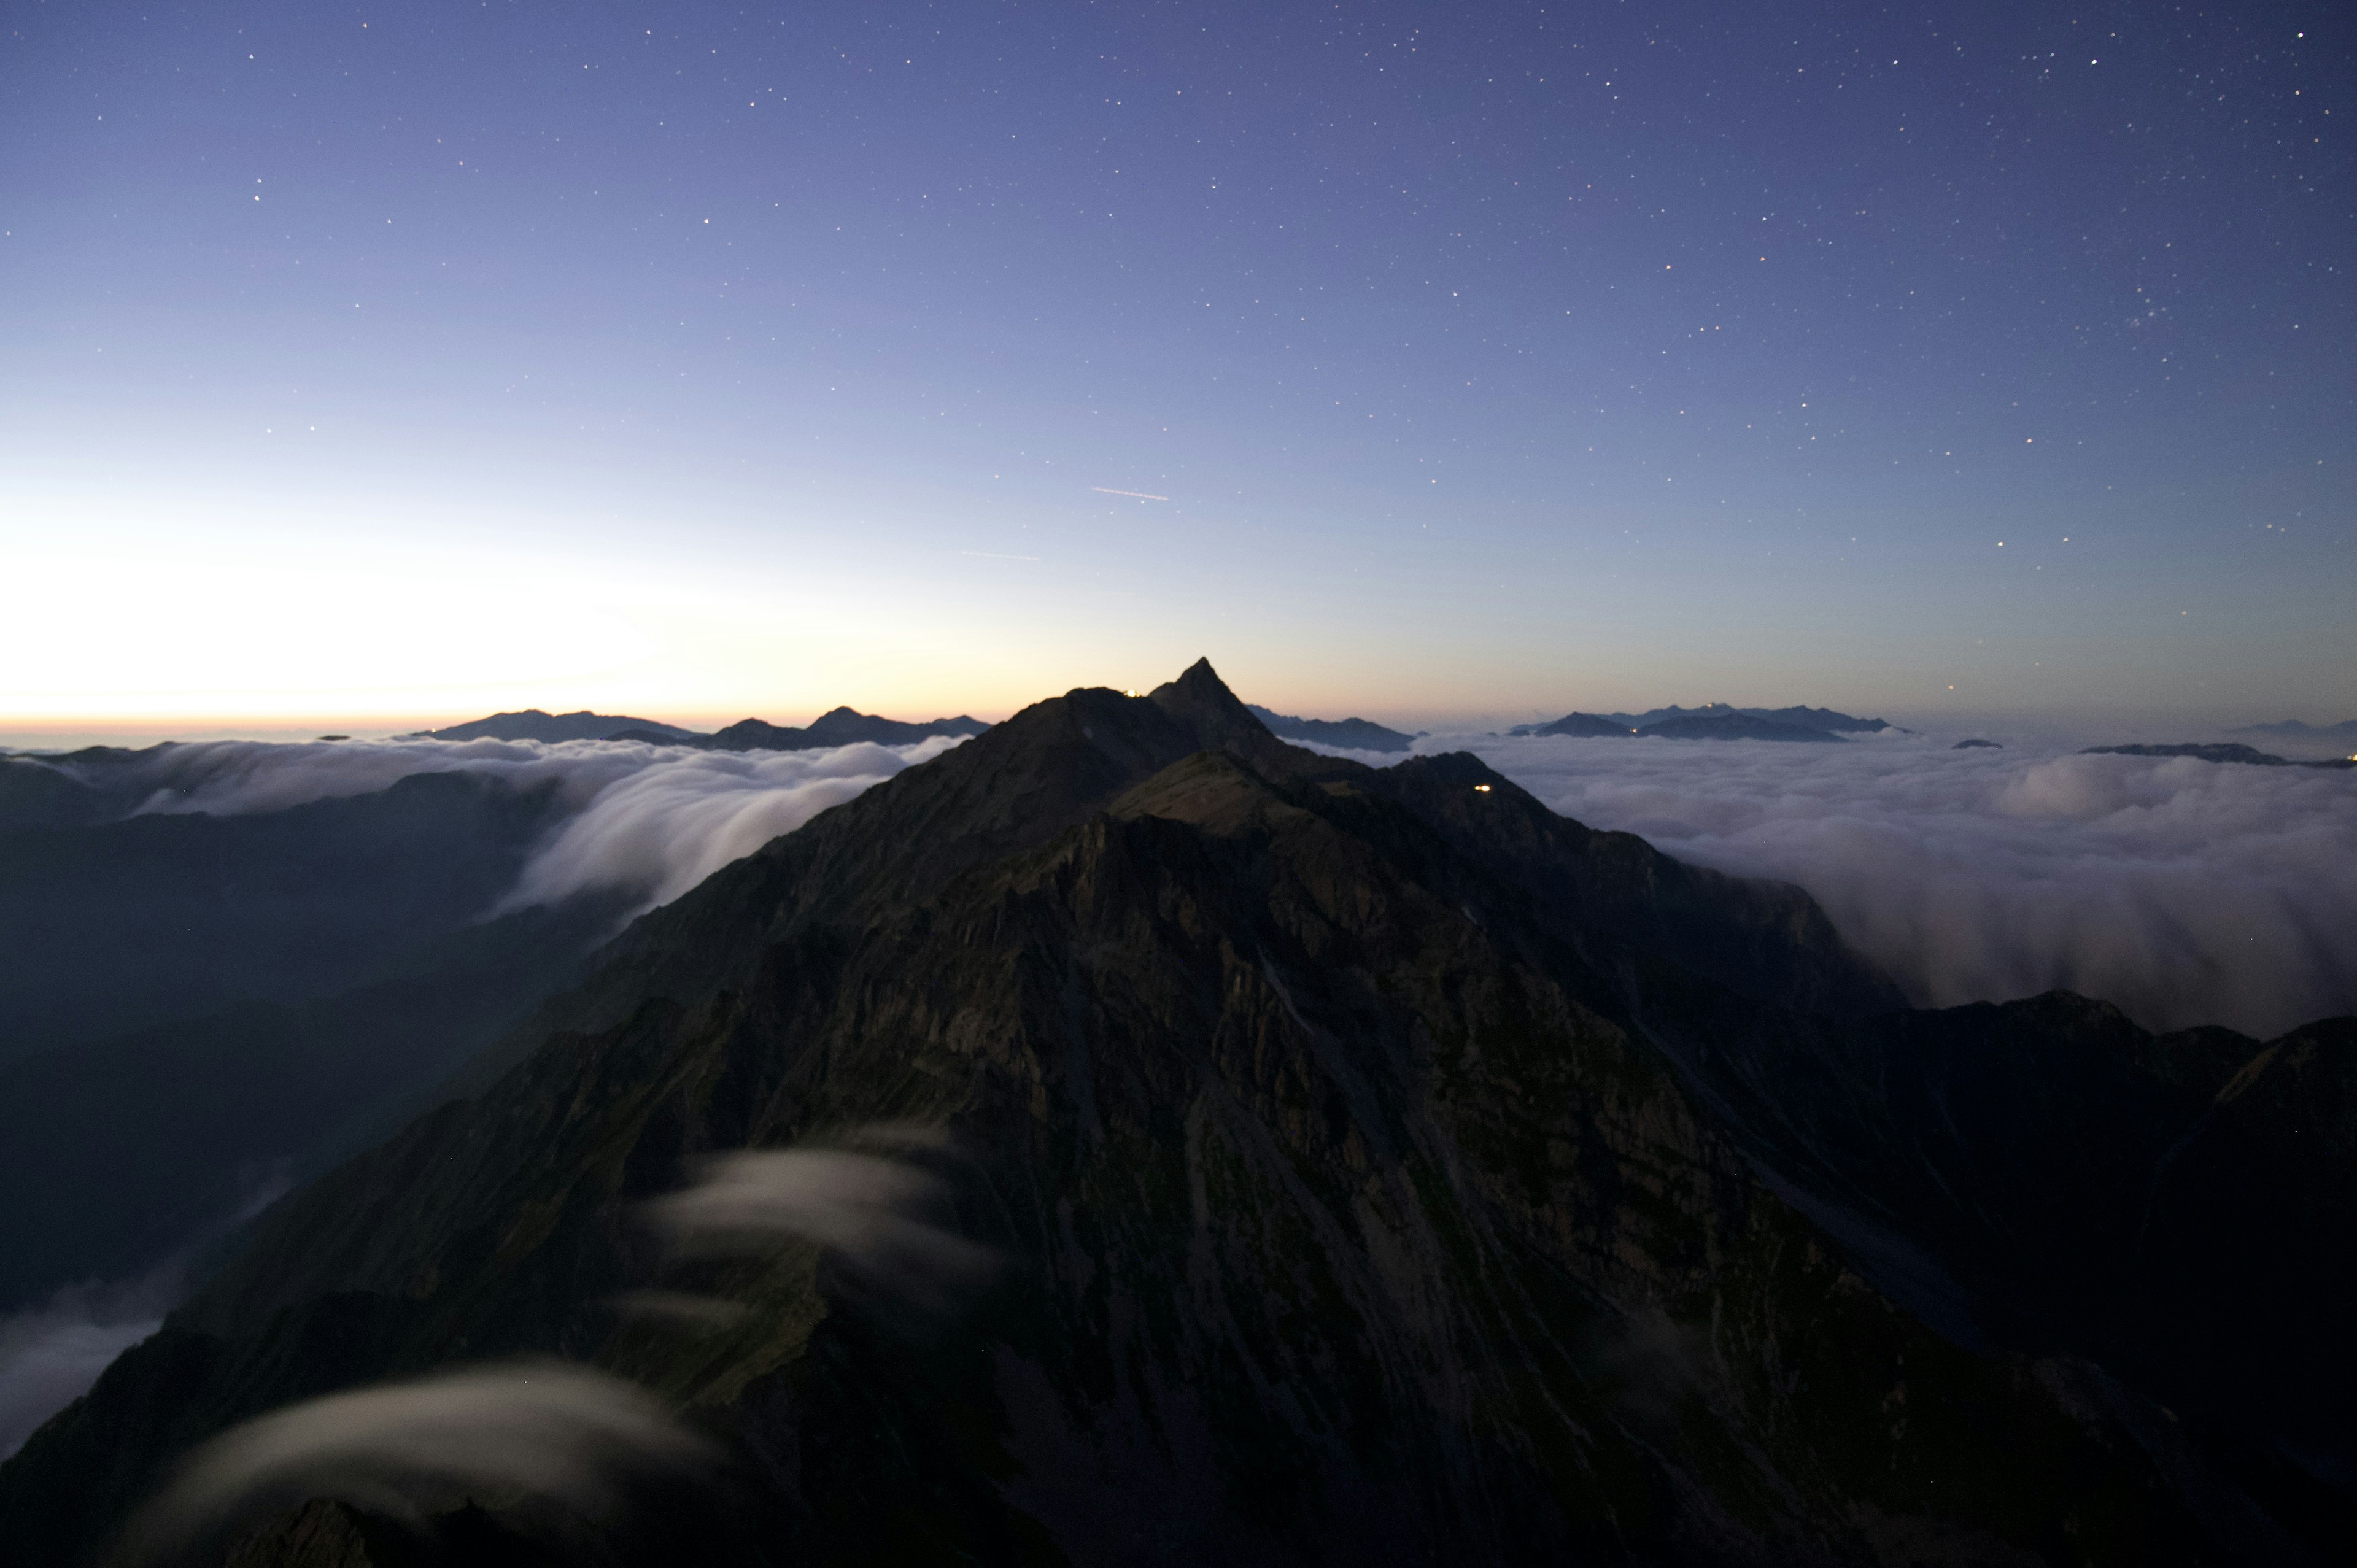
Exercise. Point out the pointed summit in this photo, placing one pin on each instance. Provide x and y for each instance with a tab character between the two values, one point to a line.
1201	701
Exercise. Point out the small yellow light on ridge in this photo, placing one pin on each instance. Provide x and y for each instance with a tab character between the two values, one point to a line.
1482	789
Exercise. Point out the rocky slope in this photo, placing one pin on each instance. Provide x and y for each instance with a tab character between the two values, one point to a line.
1381	1168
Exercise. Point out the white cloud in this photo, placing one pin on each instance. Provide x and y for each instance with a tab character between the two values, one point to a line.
2185	892
661	829
648	821
407	1449
870	1212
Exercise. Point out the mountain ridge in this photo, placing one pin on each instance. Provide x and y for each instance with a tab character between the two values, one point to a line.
1712	721
1377	1173
837	727
1362	735
538	724
2218	752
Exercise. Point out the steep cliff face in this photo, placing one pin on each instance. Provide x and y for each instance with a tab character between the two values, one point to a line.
1348	1203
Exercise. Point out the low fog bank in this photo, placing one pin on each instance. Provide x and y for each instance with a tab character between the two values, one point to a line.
2184	892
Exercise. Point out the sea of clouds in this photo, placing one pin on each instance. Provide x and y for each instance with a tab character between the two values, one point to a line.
2185	892
649	820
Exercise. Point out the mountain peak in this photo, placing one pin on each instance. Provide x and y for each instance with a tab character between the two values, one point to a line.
1201	701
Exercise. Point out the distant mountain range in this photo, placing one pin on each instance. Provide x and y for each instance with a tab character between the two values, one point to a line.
838	727
1362	735
2292	730
1712	721
1382	1169
2217	751
532	724
841	727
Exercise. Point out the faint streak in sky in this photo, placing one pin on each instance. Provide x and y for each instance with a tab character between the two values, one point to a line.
995	556
1133	495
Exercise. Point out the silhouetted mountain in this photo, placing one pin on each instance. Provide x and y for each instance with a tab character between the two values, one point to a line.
1362	735
837	727
114	926
531	724
1579	724
1712	721
1819	718
1736	726
1385	1170
2217	751
1976	745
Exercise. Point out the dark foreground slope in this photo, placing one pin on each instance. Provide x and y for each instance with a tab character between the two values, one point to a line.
1364	1189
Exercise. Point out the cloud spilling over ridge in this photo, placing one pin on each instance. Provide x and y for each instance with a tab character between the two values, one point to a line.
646	820
551	1431
543	1431
660	830
871	1212
2183	891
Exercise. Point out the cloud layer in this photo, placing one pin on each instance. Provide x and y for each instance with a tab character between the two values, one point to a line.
647	820
660	830
2185	892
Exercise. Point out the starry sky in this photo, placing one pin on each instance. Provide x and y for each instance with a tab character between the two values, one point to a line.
1420	361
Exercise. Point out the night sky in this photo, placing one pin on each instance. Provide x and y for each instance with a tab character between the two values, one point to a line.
1410	360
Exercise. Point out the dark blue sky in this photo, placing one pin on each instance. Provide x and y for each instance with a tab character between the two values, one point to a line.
1492	360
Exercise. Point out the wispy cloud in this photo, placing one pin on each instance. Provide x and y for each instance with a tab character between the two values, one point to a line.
539	1430
875	1214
